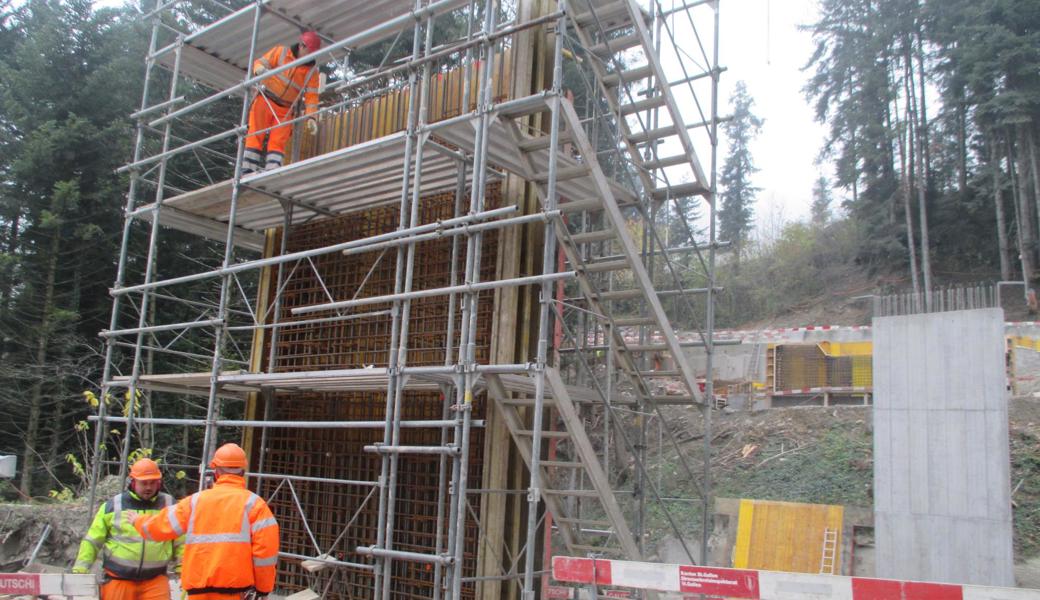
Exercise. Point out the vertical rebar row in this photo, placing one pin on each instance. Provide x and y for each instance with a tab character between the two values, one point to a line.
276	311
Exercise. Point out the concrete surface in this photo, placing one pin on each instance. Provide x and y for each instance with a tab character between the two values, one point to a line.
941	460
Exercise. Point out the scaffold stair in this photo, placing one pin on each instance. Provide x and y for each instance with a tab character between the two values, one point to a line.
623	256
612	536
596	25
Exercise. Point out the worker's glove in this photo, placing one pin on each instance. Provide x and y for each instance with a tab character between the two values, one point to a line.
259	70
311	125
130	516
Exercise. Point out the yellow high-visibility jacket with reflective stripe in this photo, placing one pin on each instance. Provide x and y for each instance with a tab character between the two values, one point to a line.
124	553
285	87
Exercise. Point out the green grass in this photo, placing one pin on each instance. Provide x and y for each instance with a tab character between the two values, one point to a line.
1025	474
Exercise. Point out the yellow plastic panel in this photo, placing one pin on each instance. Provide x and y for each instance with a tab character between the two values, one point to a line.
785	536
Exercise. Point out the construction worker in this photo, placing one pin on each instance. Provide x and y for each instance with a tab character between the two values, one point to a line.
231	537
278	100
134	568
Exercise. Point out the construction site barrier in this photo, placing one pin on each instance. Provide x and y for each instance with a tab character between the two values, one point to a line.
766	585
48	584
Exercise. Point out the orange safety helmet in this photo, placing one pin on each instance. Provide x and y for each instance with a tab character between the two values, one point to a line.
145	469
311	40
230	456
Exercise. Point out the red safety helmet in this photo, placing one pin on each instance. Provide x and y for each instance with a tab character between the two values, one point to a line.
231	456
311	40
145	469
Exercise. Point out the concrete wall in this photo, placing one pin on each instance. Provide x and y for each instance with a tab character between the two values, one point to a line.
941	467
731	363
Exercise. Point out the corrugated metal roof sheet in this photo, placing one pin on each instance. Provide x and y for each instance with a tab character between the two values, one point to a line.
217	55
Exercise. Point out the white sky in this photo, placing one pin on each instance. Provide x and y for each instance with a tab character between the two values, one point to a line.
761	45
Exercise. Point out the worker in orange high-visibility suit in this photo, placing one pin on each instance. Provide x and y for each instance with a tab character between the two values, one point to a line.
230	535
278	100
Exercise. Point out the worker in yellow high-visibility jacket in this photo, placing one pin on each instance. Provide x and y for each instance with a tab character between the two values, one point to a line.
134	568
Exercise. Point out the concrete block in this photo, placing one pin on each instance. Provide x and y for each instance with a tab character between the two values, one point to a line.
941	469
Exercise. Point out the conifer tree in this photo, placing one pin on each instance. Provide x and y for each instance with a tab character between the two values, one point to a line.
821	201
737	195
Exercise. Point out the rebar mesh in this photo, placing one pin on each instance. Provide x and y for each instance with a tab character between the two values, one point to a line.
338	453
803	366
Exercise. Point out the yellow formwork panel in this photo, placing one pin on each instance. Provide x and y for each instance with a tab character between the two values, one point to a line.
847	348
863	371
1019	341
387	114
822	365
785	536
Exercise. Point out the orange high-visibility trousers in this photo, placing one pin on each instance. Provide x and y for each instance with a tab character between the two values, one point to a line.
265	113
214	596
156	588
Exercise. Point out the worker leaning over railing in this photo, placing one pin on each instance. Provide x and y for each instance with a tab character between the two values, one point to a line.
278	100
231	536
134	568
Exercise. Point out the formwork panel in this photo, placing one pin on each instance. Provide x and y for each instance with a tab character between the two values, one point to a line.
338	453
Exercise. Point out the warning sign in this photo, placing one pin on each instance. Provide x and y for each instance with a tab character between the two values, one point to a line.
732	583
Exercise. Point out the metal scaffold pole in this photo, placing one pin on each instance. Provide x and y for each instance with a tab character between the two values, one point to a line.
149	272
467	346
110	344
220	331
545	298
709	341
409	217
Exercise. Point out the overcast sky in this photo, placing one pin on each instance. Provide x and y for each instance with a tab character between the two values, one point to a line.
761	45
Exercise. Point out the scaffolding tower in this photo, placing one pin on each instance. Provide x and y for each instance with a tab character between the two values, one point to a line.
549	155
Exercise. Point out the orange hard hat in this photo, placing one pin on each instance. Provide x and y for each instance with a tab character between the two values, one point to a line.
145	469
311	40
231	456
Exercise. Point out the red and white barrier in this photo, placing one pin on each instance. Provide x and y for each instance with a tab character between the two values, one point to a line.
766	585
48	584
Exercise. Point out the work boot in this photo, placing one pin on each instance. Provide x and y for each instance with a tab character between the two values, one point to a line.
274	160
251	161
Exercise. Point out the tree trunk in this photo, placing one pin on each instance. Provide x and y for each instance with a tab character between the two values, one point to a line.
8	284
922	110
1034	171
998	204
66	366
920	127
32	430
1024	219
904	139
962	145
